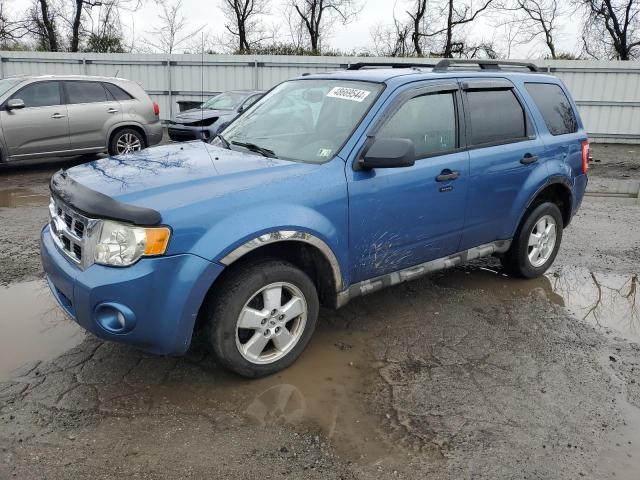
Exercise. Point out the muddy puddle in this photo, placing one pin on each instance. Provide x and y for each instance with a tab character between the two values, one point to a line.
610	302
21	197
33	327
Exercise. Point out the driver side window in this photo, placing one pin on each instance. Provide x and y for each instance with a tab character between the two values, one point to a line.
428	120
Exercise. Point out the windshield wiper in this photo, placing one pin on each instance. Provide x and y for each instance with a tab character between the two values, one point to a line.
225	142
255	148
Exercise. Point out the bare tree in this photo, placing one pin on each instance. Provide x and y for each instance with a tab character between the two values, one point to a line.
612	24
459	13
12	30
243	22
172	32
417	16
314	15
538	18
392	40
41	22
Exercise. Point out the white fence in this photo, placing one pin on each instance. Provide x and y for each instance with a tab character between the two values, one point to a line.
607	92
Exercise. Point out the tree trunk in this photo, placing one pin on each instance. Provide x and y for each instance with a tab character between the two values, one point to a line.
50	28
448	46
75	28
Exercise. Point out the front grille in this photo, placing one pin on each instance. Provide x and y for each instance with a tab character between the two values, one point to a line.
68	229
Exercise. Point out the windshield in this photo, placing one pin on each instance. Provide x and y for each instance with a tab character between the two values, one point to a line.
225	101
304	120
8	84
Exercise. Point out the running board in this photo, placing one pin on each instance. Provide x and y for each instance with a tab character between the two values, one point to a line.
378	283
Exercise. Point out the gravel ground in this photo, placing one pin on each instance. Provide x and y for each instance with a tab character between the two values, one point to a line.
464	374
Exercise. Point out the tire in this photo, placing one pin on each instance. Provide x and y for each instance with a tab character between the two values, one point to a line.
262	348
126	141
522	259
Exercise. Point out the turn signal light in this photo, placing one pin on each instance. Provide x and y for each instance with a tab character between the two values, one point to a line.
585	156
157	240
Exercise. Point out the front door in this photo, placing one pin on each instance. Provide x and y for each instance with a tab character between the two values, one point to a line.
41	127
400	217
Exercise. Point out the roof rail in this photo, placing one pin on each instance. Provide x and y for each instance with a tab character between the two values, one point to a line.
449	63
363	65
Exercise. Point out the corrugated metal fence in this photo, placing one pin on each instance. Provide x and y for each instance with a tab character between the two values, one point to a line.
607	92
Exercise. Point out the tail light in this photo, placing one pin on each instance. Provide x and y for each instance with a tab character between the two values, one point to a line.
585	156
156	108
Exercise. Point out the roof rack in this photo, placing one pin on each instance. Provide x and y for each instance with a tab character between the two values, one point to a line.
363	65
450	63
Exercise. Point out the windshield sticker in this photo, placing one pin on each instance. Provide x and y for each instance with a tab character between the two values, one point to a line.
324	152
346	93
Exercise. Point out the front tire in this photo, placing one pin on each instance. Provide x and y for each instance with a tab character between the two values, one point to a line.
262	317
536	243
126	141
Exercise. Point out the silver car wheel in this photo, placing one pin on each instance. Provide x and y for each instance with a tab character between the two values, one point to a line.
271	323
542	241
128	143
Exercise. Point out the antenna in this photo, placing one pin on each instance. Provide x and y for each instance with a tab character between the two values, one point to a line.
202	78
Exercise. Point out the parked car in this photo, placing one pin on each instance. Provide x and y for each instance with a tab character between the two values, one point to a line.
56	115
204	122
378	176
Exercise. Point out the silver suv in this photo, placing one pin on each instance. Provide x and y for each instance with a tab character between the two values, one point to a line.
57	115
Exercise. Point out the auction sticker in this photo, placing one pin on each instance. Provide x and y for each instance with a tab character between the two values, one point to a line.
347	93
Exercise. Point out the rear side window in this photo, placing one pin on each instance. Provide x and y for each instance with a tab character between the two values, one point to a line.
41	94
85	92
554	106
116	92
496	116
428	120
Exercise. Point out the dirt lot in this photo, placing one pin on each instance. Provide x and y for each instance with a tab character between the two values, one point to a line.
465	374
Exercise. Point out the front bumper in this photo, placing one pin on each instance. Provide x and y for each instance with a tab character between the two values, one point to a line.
163	294
184	133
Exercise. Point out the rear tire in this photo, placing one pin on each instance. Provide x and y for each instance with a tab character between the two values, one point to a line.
126	141
536	244
262	317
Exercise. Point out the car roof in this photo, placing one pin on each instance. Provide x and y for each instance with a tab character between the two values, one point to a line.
67	77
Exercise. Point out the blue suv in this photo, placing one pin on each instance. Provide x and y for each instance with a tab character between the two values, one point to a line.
331	186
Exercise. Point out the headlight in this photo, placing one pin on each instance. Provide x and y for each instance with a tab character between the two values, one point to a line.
121	245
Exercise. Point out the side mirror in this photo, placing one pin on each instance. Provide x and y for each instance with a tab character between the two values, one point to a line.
389	153
15	104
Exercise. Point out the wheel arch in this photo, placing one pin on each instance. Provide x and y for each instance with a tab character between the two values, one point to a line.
121	126
557	191
305	250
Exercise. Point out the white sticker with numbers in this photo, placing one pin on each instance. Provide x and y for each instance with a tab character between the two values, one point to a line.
346	93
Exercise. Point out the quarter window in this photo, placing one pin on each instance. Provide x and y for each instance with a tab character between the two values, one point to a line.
41	94
116	92
554	106
85	92
428	120
496	116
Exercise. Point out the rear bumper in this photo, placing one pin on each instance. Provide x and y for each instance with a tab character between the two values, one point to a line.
160	296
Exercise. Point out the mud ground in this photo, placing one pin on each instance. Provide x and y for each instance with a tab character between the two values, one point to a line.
464	374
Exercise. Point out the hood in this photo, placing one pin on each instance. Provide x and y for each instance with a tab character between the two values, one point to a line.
181	174
196	114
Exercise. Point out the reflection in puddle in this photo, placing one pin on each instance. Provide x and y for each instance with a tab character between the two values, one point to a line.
33	327
21	197
605	300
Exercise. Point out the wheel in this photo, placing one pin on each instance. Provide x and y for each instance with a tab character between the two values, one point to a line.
262	317
536	243
126	141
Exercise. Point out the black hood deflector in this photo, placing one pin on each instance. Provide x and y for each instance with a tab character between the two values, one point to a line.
97	205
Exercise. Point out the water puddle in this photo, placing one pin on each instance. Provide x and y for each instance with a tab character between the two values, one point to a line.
610	302
21	197
33	326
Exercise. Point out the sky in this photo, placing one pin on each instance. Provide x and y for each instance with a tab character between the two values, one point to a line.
354	36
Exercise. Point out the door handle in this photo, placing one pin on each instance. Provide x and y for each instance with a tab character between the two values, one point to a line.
528	158
447	175
57	115
112	110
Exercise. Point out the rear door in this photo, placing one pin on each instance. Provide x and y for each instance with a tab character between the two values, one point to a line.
41	127
92	113
400	217
506	160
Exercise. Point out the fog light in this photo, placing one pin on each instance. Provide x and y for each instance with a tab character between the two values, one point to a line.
114	318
